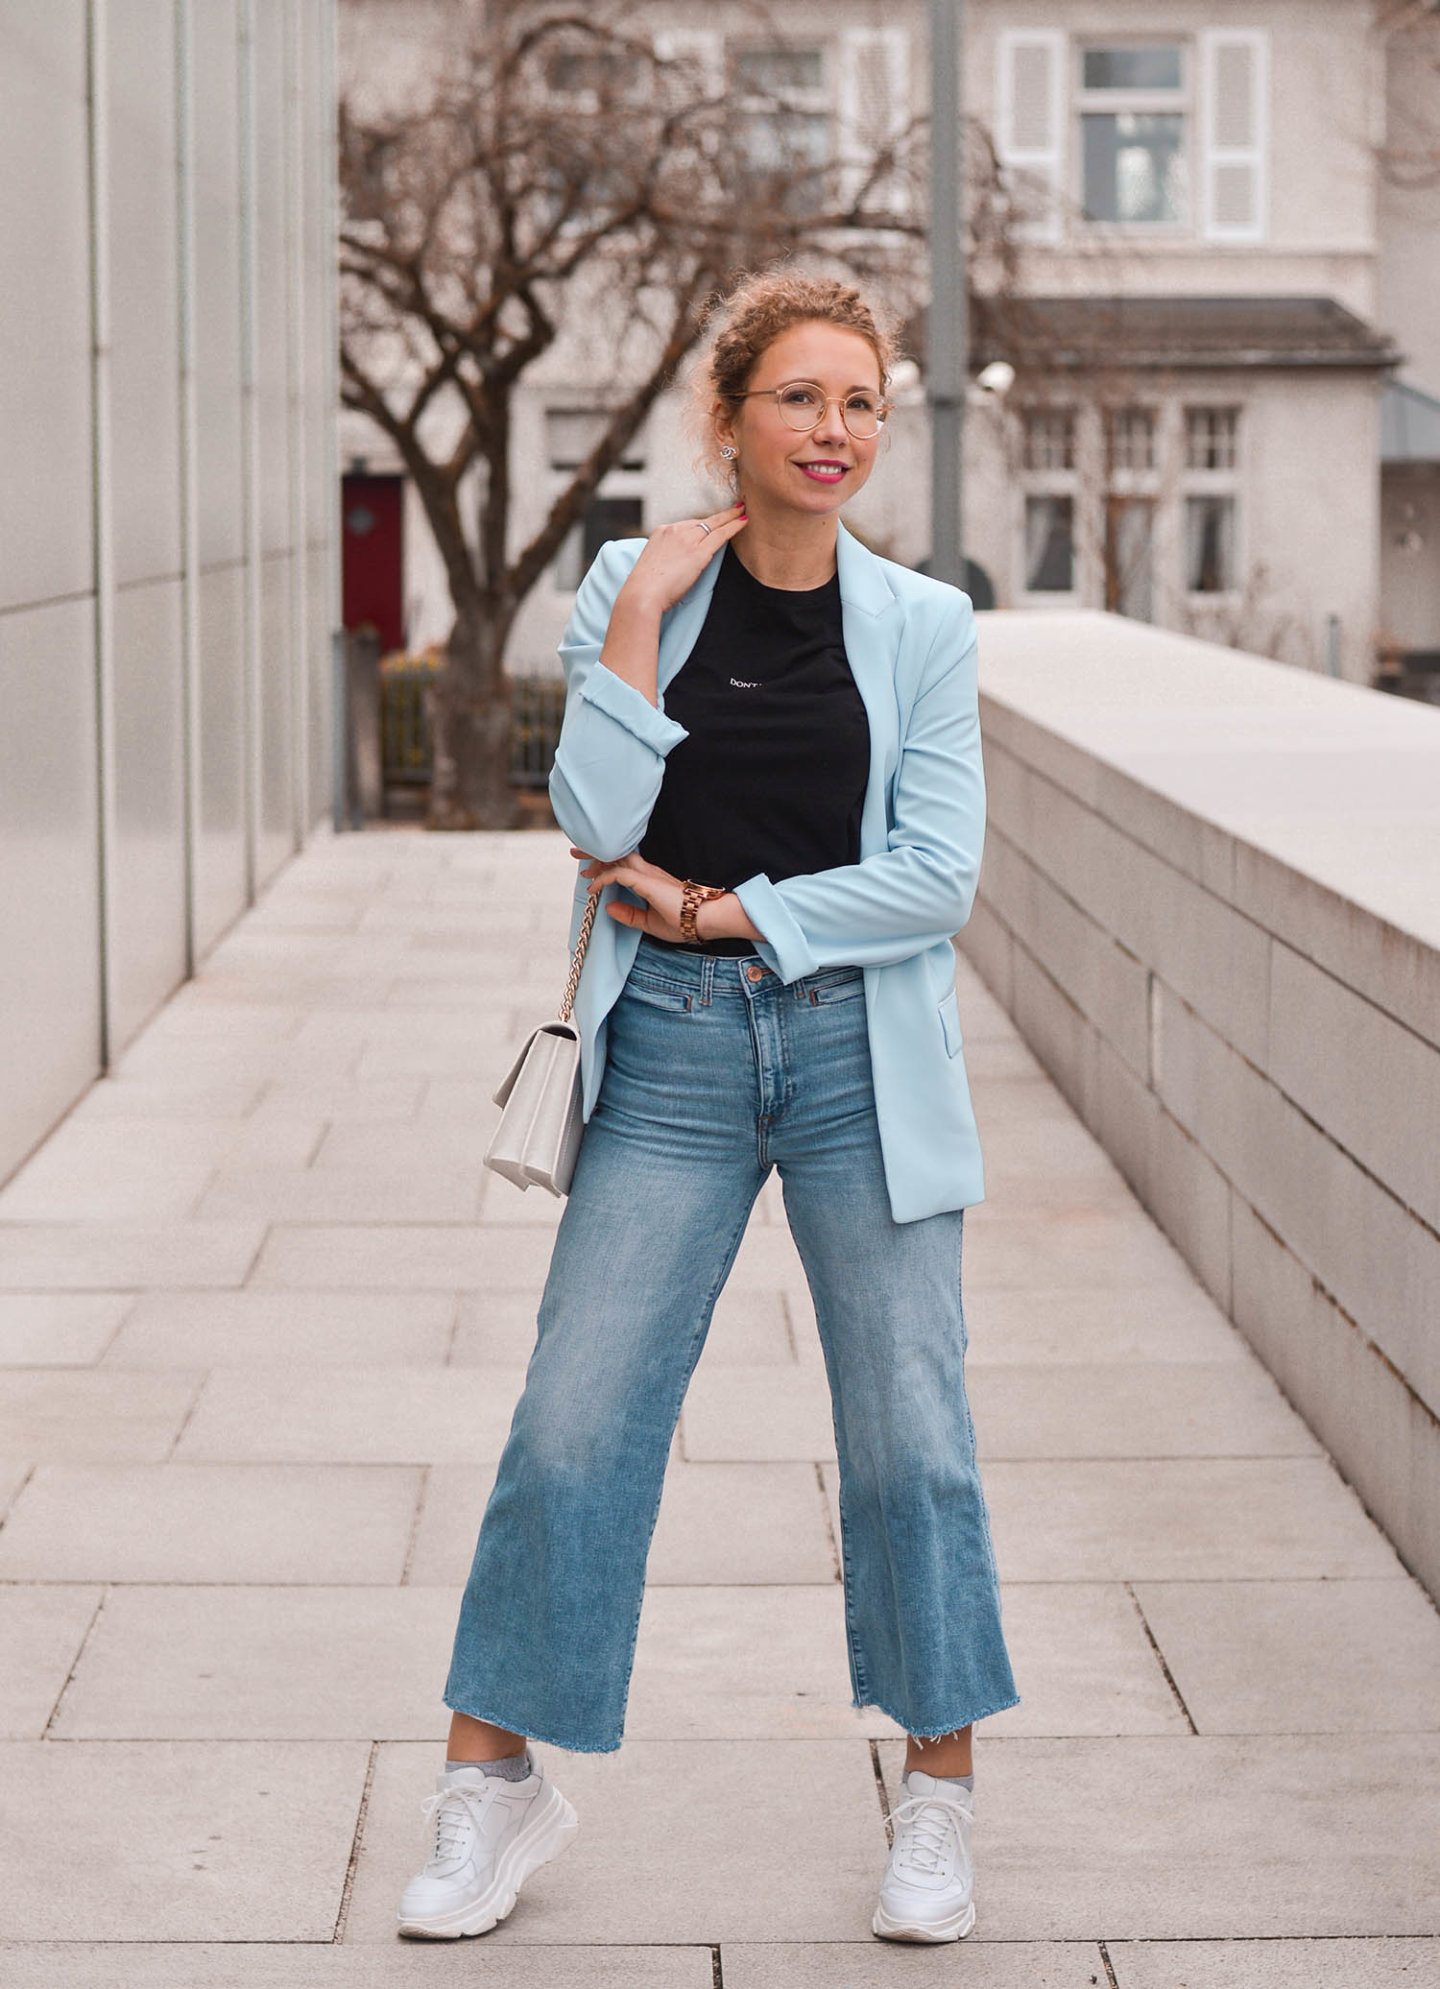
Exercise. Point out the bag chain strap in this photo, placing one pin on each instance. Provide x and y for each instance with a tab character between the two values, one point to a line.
577	959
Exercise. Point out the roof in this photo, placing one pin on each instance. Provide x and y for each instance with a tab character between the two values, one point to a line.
1409	425
1043	333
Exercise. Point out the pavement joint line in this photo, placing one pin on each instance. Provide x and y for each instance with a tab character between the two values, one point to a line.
1161	1659
45	1731
421	1495
343	1914
1110	1975
201	1385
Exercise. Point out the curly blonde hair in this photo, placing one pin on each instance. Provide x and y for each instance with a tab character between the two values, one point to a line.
751	317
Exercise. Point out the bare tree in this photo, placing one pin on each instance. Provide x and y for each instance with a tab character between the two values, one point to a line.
558	171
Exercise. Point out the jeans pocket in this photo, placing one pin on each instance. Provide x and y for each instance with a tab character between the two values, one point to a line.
655	993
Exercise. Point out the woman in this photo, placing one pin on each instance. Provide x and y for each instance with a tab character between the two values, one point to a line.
770	769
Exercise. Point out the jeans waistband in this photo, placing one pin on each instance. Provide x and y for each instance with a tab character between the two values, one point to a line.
716	974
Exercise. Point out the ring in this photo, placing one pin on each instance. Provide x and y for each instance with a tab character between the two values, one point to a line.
703	526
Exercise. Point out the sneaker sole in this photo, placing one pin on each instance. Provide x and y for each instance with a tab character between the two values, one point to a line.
954	1929
543	1837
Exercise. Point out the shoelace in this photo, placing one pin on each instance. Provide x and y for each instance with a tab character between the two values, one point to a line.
455	1811
931	1833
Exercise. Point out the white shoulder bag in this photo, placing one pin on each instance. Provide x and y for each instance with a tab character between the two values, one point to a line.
538	1136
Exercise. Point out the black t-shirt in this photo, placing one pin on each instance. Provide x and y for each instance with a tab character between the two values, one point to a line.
773	774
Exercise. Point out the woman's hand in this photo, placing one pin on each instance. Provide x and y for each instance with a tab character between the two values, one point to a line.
716	918
677	554
660	914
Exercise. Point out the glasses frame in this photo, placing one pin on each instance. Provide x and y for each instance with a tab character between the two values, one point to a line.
883	408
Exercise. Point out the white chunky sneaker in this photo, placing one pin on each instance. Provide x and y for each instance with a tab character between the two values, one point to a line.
925	1894
489	1836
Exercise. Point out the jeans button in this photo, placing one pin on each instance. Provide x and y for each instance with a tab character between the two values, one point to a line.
755	973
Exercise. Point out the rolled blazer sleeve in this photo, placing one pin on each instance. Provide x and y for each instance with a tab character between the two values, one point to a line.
610	759
920	890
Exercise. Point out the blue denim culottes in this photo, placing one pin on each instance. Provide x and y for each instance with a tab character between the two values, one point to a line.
716	1071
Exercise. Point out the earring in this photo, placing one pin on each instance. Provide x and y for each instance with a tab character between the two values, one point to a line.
728	453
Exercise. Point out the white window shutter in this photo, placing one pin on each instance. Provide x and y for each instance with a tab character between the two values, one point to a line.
873	105
1030	127
701	50
1234	133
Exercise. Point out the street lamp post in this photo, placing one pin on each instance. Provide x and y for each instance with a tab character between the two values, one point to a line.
946	355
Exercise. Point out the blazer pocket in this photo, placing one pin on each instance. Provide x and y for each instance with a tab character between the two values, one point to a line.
950	1023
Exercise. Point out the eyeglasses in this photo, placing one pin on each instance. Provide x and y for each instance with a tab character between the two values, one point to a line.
802	405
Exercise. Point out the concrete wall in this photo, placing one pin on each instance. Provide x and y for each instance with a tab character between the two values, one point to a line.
1210	899
166	568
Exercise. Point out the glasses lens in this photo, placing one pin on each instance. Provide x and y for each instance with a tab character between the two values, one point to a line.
862	417
800	405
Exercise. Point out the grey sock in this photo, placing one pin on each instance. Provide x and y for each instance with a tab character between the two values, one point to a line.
952	1781
509	1768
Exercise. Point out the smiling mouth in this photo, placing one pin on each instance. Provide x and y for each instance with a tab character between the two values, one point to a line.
825	472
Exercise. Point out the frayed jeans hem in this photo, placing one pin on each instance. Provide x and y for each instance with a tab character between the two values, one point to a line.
935	1733
532	1733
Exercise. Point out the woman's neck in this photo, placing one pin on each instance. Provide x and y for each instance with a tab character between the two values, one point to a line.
788	558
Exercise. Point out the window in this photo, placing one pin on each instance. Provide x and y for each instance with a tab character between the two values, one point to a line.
1131	432
1129	556
1210	437
1134	106
1210	544
572	432
1049	438
1049	545
783	124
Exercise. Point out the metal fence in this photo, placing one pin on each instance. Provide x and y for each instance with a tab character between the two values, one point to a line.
537	705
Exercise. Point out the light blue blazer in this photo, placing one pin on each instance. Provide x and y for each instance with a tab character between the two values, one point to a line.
912	646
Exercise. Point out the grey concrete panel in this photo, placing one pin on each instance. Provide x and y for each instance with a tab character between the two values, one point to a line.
144	299
210	1523
49	871
318	662
220	849
277	718
1366	1248
187	1841
218	451
1380	1100
352	1415
272	302
145	865
268	1329
45	509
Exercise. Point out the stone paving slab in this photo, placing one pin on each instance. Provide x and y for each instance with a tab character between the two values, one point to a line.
1337	1964
211	1523
689	1841
349	1415
59	1329
1205	1838
264	1329
41	1631
829	1965
253	1965
84	1415
182	1840
1300	1657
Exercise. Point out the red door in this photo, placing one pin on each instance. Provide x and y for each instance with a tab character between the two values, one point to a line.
374	556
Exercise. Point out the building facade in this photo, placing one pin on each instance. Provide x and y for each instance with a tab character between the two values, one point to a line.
168	580
1221	316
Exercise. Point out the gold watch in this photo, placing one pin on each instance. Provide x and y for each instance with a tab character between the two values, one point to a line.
692	897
